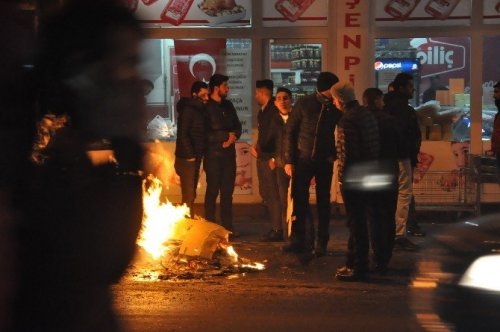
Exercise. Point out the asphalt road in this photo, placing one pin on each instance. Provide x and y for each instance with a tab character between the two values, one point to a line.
286	296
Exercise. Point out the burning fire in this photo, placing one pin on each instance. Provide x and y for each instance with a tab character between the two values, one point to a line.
162	227
249	265
159	219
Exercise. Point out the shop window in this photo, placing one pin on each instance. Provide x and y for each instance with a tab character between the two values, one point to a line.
491	75
173	65
441	71
295	66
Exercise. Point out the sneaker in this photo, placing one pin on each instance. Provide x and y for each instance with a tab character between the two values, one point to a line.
343	269
273	236
347	274
402	243
416	231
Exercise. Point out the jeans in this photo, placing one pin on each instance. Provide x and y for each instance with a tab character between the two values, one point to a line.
405	194
221	174
189	173
303	226
381	218
357	204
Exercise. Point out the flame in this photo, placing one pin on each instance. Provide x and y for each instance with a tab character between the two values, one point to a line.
244	264
232	253
159	225
159	219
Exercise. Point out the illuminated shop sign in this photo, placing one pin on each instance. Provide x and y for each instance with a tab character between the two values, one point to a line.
406	65
441	55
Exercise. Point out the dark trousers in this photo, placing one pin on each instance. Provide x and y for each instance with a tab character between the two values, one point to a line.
268	187
357	203
221	174
303	226
283	181
381	215
189	173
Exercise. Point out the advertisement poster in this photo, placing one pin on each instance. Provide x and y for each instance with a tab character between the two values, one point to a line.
437	178
282	13
192	13
240	81
423	12
491	11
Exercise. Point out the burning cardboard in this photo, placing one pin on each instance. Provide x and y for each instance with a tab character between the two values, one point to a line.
200	238
168	236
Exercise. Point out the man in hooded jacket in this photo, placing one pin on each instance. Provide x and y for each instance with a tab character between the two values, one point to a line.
191	138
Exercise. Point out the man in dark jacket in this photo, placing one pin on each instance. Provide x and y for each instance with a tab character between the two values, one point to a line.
310	153
396	104
224	128
268	188
77	219
358	149
191	139
277	129
383	210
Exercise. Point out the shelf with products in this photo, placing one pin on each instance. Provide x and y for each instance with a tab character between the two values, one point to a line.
296	67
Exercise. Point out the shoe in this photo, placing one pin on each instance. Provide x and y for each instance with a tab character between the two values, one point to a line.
402	243
345	273
380	269
416	231
343	269
293	248
273	236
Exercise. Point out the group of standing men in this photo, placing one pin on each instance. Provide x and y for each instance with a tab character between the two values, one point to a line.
208	127
373	141
376	148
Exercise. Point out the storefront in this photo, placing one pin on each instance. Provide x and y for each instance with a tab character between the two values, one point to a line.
451	47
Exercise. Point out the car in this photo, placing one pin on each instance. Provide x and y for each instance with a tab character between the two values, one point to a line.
456	286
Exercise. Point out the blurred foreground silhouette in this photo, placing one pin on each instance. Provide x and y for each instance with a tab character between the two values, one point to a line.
71	226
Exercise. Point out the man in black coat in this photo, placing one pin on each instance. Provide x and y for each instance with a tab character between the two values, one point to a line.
396	104
383	210
191	140
77	218
310	153
268	188
357	150
224	128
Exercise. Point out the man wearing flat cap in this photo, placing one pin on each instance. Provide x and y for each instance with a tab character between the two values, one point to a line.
309	153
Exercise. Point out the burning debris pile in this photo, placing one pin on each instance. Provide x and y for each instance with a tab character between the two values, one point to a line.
176	247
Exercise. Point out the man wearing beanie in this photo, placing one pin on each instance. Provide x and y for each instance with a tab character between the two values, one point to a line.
357	149
309	146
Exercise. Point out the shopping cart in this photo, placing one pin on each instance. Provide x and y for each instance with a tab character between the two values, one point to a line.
455	190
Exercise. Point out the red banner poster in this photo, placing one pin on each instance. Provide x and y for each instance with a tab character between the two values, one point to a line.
198	60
